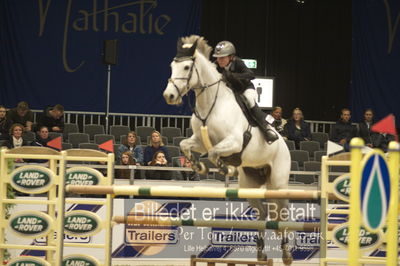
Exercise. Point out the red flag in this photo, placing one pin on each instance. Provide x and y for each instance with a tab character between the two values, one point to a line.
386	125
107	146
55	143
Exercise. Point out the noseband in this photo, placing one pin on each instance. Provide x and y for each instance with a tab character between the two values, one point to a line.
172	80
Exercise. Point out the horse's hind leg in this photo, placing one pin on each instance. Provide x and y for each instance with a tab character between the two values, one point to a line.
279	179
246	181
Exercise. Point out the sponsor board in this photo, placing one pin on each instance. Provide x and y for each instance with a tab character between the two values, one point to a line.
341	187
28	260
83	176
81	223
368	240
32	179
79	260
30	224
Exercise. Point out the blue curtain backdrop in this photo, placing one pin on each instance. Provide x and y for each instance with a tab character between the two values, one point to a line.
50	52
376	58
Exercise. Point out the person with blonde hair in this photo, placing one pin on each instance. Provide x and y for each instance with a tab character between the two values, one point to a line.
15	139
155	144
297	129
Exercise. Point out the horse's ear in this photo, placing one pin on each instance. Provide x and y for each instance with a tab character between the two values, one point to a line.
193	48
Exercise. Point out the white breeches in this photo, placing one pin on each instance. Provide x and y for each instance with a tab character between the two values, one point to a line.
251	96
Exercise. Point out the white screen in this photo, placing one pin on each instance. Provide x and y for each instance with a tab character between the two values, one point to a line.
265	91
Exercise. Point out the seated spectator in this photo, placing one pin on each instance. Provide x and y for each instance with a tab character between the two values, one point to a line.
297	129
343	131
159	159
381	140
364	127
125	159
15	139
130	144
185	175
53	118
156	144
42	138
279	122
21	115
5	124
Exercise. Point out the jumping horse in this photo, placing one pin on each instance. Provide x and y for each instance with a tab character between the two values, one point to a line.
221	130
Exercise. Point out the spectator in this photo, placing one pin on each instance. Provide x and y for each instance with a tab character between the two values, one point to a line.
53	118
5	124
297	129
130	144
343	131
156	144
21	115
185	175
42	138
279	122
15	139
159	159
364	127
381	140
125	159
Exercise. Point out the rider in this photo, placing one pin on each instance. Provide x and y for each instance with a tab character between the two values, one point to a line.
235	71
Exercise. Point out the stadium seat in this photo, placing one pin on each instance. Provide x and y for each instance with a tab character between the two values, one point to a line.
118	131
300	156
101	138
321	137
144	132
170	133
90	146
70	128
177	140
93	130
290	144
311	146
76	138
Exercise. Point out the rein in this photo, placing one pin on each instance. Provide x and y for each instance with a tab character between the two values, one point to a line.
202	87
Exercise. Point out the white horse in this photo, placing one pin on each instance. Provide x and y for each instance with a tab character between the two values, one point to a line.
219	124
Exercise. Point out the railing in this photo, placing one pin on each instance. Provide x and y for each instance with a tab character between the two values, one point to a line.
154	120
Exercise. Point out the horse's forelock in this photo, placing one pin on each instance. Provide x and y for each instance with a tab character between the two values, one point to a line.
202	45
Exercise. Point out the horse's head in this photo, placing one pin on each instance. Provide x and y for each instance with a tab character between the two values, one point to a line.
185	74
182	78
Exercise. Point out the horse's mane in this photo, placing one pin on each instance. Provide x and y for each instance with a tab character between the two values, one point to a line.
202	45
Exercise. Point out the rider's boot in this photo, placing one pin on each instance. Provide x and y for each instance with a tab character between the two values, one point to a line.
269	134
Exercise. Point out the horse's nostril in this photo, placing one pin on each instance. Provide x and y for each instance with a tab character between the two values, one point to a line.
171	96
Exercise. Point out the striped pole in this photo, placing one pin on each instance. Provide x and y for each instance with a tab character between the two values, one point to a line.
239	224
203	192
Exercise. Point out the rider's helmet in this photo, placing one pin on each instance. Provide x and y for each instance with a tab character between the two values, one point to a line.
224	48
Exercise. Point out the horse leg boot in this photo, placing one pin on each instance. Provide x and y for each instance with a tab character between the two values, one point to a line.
259	116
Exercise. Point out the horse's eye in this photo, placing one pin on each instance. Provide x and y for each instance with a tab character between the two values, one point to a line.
186	68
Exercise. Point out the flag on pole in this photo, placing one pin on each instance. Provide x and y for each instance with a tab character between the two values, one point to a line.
107	146
55	143
386	125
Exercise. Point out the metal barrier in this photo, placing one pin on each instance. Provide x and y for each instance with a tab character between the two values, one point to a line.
156	121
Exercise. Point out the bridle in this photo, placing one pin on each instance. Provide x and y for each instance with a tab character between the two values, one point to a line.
202	86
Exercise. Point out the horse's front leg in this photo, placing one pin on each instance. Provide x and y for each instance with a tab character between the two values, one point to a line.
194	144
226	147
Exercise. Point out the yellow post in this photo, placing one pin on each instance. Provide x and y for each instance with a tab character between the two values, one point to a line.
355	215
392	225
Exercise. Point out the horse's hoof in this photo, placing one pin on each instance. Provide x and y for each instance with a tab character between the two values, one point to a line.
287	258
202	168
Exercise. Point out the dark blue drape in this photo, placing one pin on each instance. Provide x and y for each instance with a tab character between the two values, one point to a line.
50	52
376	58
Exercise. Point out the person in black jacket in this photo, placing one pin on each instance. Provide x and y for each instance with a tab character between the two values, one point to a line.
42	138
15	139
5	124
238	78
343	131
297	129
53	118
159	159
364	127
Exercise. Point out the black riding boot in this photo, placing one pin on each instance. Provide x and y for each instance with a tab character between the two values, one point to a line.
269	134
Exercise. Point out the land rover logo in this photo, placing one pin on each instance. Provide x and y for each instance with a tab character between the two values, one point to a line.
32	179
81	223
84	176
79	259
28	260
367	239
341	187
30	224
